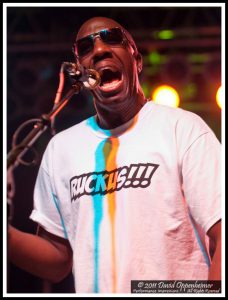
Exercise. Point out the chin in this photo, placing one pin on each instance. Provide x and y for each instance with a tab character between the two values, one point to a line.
111	97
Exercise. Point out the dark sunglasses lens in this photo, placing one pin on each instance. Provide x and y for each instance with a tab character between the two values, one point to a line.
84	46
112	36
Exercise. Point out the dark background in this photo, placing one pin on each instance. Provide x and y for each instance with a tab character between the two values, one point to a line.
39	39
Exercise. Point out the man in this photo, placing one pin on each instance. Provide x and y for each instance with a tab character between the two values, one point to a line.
129	194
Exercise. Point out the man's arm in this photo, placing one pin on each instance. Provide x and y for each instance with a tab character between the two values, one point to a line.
44	255
214	234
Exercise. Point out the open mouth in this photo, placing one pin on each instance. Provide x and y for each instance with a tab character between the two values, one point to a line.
110	79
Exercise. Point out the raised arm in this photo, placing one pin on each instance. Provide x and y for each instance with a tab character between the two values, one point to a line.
44	255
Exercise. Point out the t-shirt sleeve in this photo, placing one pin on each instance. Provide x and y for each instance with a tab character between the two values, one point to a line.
201	173
47	208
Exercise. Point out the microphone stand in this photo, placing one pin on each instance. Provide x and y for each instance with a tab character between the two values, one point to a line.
13	157
41	125
89	79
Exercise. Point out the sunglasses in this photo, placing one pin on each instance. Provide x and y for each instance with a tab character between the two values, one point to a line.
111	36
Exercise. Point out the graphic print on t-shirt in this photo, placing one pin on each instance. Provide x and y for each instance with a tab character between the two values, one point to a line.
136	175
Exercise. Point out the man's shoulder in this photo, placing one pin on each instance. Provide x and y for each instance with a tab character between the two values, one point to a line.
179	119
175	113
74	131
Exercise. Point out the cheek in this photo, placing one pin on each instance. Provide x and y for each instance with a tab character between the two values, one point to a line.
133	71
133	66
129	66
84	62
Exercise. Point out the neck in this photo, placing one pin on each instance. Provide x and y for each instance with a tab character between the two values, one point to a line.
109	118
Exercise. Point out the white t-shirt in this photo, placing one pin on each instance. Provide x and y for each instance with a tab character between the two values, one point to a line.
134	202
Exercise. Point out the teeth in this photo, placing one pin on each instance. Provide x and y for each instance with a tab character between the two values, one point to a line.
114	82
110	85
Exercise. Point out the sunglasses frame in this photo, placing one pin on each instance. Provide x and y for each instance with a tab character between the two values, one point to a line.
98	33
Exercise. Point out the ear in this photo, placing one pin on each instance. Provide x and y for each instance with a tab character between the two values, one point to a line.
139	62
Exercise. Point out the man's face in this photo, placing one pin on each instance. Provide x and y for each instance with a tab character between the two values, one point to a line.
116	65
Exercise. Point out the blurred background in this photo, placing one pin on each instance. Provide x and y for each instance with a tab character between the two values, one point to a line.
181	48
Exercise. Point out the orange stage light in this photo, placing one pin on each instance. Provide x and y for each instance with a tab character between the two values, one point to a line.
166	95
219	97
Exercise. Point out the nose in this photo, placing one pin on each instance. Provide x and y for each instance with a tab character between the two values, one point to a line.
101	49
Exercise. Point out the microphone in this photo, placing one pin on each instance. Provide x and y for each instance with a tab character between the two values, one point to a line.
89	77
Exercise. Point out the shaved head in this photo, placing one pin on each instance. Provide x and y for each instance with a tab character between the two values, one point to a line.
96	22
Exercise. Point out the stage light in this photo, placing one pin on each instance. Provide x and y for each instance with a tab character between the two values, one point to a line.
166	95
166	34
154	58
219	97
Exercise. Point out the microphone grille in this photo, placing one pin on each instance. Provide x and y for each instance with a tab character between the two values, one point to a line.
93	79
